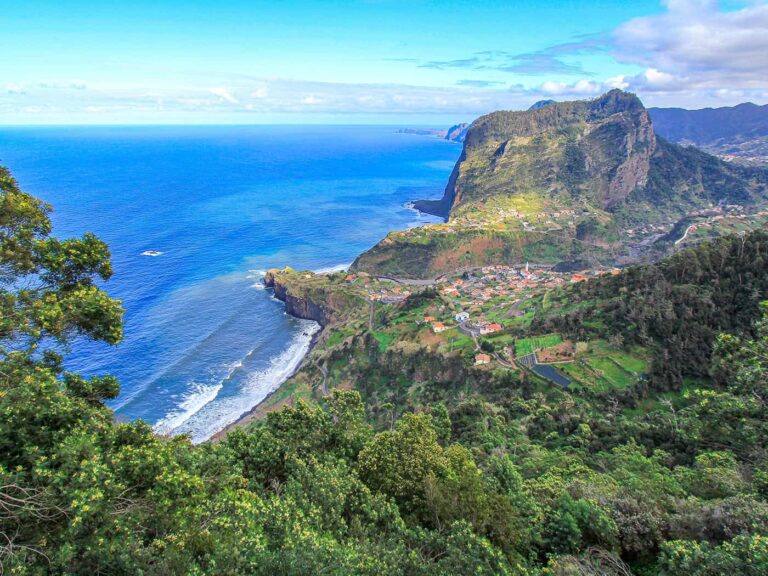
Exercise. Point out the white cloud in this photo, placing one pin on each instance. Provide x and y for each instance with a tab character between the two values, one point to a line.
74	85
224	94
578	88
697	45
693	54
15	89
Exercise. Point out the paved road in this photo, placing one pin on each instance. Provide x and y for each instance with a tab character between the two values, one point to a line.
406	281
685	235
324	370
503	362
443	277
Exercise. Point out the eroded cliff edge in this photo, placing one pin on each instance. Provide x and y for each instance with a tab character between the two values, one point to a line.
313	296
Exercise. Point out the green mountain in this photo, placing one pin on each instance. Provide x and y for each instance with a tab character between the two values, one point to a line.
570	181
649	459
739	132
541	103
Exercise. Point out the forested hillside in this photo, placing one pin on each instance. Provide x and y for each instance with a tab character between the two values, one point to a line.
676	306
511	478
740	132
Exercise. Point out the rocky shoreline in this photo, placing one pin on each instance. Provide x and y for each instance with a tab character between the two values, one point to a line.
295	305
289	286
263	407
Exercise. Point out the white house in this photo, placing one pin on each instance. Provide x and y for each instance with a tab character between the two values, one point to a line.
462	316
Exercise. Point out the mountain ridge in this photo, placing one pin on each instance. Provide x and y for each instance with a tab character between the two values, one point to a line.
736	132
586	179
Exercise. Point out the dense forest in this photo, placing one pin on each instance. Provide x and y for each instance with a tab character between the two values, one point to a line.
676	306
519	482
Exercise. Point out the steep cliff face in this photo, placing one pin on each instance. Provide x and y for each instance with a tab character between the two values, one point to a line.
442	207
457	133
564	181
597	150
295	305
310	296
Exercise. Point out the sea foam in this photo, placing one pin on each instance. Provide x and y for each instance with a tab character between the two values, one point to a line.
252	389
192	402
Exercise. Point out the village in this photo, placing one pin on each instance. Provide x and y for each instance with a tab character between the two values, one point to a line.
480	304
476	288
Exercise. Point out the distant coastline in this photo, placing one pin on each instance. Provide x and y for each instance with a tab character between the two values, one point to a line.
455	133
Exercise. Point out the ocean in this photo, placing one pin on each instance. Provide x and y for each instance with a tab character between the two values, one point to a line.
193	217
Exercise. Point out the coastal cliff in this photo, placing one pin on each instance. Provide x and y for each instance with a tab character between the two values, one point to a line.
295	305
375	340
314	296
564	182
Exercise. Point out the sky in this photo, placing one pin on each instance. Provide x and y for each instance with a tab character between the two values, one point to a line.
419	62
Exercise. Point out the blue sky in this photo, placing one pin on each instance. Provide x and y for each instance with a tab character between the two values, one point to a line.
375	61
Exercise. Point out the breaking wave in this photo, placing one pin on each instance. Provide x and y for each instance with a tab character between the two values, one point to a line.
242	390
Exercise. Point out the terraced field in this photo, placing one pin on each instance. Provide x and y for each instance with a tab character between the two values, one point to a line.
602	368
526	346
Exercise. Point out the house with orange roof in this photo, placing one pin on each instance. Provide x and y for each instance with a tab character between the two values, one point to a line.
491	328
438	327
482	359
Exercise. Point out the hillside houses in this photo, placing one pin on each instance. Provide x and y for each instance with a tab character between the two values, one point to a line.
394	295
438	327
490	328
502	281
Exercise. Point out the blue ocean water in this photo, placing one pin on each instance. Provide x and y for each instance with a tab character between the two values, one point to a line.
204	342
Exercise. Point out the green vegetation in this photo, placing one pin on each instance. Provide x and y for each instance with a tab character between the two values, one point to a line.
526	346
384	339
675	307
571	181
738	131
430	466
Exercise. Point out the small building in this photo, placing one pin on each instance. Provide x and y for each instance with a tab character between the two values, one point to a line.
462	316
491	328
438	327
482	359
429	318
